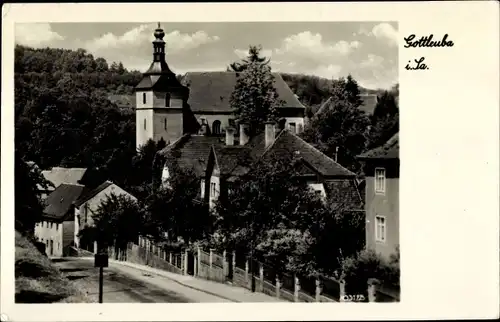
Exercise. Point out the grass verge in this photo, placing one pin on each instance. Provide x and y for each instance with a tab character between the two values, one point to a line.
38	280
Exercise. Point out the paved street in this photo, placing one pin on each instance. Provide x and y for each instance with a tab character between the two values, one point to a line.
124	284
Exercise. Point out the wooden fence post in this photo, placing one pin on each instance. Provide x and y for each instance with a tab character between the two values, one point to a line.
372	290
296	288
246	272
210	258
225	264
278	286
195	269
233	259
199	260
170	257
186	262
342	291
318	290
261	278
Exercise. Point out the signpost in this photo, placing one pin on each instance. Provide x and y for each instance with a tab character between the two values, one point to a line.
101	261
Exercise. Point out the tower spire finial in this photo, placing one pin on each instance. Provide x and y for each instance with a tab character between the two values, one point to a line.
159	26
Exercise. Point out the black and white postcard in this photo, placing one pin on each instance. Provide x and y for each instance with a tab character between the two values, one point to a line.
260	161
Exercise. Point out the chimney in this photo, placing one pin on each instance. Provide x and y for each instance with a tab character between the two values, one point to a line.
269	133
229	136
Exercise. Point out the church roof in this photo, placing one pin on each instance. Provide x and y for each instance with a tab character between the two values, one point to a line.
159	82
211	91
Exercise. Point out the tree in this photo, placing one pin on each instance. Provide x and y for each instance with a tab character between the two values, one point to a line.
384	121
254	98
368	264
273	214
28	203
174	212
253	57
118	220
340	130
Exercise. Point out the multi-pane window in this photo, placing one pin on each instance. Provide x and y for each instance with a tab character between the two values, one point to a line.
380	228
291	127
380	180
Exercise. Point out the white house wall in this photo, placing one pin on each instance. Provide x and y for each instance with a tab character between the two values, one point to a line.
44	233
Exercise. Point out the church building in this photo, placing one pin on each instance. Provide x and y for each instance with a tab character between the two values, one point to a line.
168	107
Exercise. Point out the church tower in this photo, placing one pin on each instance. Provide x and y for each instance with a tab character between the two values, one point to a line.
161	100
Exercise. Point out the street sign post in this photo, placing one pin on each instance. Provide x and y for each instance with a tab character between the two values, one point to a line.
101	261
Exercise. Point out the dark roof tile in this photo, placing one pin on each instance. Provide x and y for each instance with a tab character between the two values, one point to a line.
191	151
60	201
233	160
287	144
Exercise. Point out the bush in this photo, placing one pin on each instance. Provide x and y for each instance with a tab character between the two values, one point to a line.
367	264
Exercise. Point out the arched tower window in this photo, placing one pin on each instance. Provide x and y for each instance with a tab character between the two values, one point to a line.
167	100
216	127
143	98
165	123
144	124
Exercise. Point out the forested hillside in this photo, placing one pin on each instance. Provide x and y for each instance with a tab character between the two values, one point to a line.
314	90
63	115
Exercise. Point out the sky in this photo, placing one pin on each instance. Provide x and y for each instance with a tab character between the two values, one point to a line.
366	50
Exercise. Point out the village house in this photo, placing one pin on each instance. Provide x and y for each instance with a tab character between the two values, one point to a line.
382	197
56	229
59	175
169	108
86	205
228	162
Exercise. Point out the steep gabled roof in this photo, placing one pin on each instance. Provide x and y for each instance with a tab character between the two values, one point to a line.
191	151
60	201
89	194
58	175
233	160
287	144
211	91
390	150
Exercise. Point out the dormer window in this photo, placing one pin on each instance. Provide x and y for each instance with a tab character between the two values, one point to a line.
143	98
167	100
